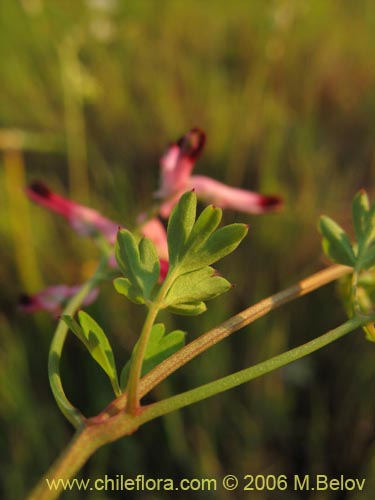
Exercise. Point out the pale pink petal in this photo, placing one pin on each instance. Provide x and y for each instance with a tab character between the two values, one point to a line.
85	221
53	299
112	262
224	196
178	161
155	231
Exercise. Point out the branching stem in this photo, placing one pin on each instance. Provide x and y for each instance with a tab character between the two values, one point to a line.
236	322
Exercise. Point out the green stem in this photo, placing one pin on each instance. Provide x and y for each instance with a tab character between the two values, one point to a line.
137	361
103	429
83	445
240	377
65	467
74	416
236	322
133	392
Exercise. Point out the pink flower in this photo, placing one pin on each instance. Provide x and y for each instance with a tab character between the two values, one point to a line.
155	231
85	221
178	161
176	167
224	196
53	299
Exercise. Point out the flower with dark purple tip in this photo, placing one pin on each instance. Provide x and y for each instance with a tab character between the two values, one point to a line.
176	167
85	221
228	197
178	162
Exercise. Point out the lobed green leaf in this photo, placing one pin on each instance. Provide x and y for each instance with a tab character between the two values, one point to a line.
132	292
204	226
140	265
336	243
221	243
199	285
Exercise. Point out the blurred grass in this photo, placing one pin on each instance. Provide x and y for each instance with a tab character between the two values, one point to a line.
91	93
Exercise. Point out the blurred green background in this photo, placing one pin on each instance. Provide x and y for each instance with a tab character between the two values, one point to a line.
92	91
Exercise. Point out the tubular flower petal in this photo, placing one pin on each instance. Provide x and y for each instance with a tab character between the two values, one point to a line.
155	231
85	221
53	299
178	161
176	168
224	196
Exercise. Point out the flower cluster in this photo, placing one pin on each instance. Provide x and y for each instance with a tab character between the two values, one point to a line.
176	167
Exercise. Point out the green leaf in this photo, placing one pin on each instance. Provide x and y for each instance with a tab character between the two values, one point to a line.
371	224
180	225
369	258
96	342
365	298
149	266
204	226
159	348
370	331
360	209
188	308
197	285
193	247
127	254
336	243
221	243
72	324
125	287
140	265
189	241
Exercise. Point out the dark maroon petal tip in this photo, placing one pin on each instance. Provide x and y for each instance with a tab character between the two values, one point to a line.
192	143
25	300
271	201
40	189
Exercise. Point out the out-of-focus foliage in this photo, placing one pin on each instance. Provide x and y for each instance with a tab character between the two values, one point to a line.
92	91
